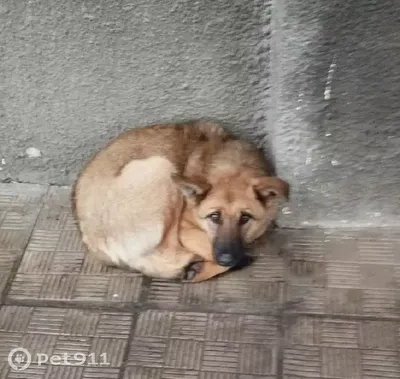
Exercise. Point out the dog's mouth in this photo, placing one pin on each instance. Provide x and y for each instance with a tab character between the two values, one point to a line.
244	262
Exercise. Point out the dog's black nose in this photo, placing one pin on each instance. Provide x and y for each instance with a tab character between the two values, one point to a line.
226	259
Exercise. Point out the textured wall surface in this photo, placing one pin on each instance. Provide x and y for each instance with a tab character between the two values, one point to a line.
75	73
335	88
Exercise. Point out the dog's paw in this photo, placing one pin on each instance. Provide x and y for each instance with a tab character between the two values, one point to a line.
192	270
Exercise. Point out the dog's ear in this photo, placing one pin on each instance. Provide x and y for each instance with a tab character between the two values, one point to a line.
270	186
191	187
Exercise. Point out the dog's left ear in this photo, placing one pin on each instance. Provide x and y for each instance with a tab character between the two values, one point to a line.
191	187
271	186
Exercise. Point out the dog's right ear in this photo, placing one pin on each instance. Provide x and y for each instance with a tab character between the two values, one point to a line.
191	187
270	186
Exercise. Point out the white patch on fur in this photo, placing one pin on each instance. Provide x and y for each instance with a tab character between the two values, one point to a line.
123	218
129	248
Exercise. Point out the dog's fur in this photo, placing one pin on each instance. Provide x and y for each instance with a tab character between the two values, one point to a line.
175	200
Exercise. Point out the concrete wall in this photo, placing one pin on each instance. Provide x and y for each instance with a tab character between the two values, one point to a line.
75	73
335	109
325	101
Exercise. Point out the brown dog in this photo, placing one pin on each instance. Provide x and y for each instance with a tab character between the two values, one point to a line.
162	198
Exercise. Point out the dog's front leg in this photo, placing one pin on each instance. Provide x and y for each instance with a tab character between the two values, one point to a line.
204	270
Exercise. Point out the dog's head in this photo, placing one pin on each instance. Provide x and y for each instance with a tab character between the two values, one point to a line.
234	211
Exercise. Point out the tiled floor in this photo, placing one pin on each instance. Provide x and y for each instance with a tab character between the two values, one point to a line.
315	304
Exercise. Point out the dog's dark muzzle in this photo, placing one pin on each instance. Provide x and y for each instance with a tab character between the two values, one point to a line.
228	253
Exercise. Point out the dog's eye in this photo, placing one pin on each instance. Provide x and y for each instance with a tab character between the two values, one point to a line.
245	218
215	217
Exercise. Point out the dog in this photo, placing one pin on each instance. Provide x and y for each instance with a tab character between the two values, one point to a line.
179	200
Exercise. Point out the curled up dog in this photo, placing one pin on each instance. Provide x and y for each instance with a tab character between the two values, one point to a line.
175	200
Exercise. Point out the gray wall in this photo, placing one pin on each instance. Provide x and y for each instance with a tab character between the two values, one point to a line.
336	109
321	92
75	73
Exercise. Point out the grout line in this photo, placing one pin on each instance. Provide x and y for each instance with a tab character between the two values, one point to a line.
280	348
195	308
142	300
132	307
137	307
17	262
281	337
125	355
62	304
342	317
145	289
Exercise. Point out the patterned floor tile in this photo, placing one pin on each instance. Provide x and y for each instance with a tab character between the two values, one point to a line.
341	273
19	208
314	304
203	345
332	348
65	342
18	195
258	288
56	267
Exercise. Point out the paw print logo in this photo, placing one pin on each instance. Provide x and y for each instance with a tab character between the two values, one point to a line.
19	359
